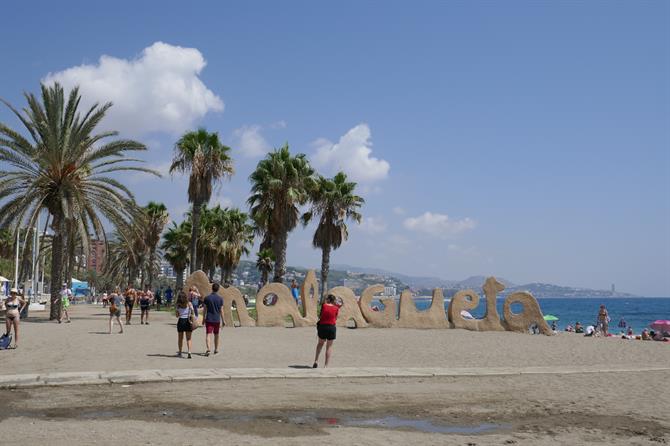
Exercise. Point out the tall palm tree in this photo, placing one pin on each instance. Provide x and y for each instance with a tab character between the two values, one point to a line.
175	246
264	261
62	166
237	238
157	217
333	202
206	158
279	185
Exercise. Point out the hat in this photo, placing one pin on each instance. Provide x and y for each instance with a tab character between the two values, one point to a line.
13	291
64	283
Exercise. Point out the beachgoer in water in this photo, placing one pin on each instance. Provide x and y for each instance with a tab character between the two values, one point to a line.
326	328
603	320
213	317
65	296
115	301
194	299
130	299
13	305
622	323
146	298
183	310
295	292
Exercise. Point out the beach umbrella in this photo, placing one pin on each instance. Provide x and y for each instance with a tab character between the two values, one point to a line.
550	318
3	279
661	325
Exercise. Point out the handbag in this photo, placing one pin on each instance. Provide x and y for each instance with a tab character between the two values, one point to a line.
193	320
113	308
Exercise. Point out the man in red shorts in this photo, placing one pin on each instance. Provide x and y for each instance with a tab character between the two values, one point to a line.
213	317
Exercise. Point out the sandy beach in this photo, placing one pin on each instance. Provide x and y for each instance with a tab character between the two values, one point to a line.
578	408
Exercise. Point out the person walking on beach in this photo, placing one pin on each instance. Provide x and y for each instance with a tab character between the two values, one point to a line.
213	317
295	292
603	320
145	304
168	296
14	306
65	295
326	329
130	298
194	298
115	301
183	310
159	298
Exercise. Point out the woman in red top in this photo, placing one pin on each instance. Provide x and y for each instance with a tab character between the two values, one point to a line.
326	328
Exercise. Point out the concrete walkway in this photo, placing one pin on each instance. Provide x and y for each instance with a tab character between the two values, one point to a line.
170	375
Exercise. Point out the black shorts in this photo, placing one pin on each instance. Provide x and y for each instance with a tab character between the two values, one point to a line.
129	306
144	307
183	325
326	332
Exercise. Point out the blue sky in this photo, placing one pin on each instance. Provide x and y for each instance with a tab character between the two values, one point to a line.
528	140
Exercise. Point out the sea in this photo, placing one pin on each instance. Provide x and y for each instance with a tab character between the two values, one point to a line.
637	312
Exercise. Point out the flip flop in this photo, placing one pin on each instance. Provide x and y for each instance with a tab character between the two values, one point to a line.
207	353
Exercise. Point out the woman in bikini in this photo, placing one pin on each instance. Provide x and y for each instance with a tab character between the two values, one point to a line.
145	303
14	305
131	296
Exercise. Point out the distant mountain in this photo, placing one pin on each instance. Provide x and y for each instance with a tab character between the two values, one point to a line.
424	282
476	283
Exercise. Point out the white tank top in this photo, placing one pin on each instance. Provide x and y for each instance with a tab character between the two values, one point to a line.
183	312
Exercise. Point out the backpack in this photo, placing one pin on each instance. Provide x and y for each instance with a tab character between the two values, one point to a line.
5	340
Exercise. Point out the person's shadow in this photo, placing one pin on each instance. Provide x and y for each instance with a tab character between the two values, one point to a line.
296	366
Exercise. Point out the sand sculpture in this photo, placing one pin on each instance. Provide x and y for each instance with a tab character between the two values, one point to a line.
274	303
469	300
232	296
349	309
433	317
531	314
274	315
385	318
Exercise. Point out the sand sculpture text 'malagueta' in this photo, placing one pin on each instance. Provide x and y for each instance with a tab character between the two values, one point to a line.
274	303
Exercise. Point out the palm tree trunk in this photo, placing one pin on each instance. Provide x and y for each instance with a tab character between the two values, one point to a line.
211	273
195	230
279	248
180	282
325	268
150	272
56	267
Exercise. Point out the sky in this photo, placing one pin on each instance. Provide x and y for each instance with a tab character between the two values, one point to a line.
526	140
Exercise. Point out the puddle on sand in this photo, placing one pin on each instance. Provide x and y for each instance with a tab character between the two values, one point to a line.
297	419
424	425
397	423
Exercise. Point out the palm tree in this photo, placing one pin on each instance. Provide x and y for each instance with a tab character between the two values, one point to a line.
237	238
279	185
333	202
63	167
175	246
206	158
264	263
157	217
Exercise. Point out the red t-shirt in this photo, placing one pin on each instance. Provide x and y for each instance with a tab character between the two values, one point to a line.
329	314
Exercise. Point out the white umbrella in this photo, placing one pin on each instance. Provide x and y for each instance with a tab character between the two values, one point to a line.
4	279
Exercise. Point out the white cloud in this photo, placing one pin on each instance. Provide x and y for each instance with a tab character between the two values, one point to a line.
249	140
372	225
438	225
398	210
352	154
281	124
159	91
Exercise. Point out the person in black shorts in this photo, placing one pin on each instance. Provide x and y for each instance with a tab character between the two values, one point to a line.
326	328
130	297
